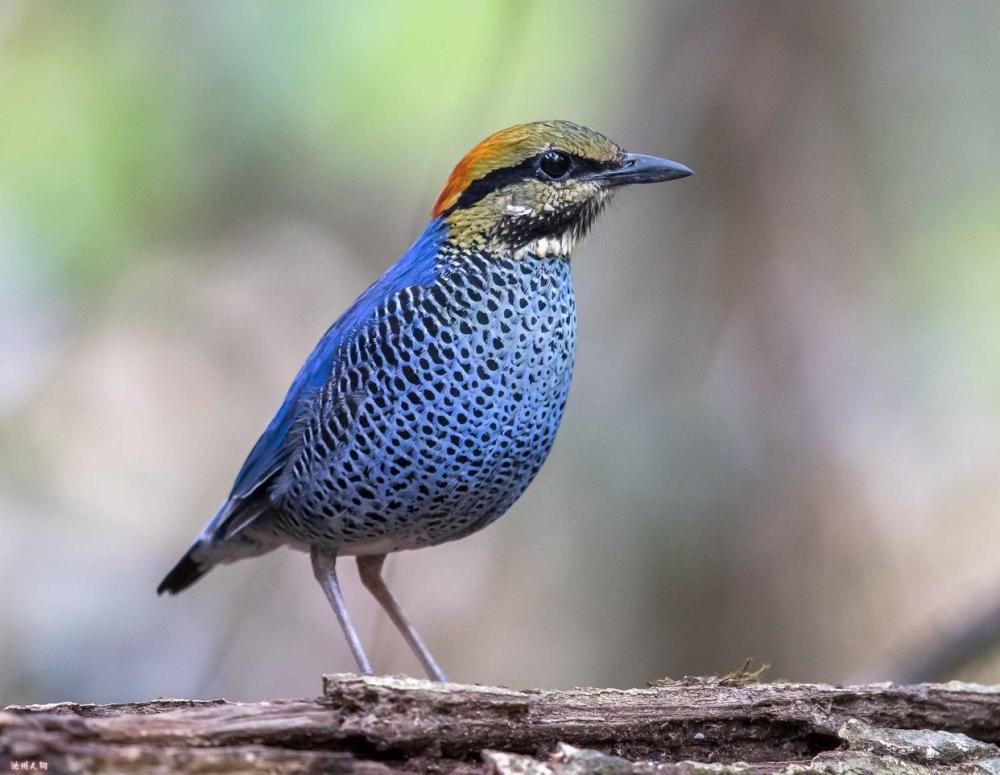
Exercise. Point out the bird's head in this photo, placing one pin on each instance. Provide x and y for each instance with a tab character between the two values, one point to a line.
539	186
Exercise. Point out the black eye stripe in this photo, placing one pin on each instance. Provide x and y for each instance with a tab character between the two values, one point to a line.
497	179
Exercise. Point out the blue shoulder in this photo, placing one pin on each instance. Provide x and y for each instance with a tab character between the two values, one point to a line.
417	266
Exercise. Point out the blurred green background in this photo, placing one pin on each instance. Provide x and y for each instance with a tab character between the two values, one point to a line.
782	435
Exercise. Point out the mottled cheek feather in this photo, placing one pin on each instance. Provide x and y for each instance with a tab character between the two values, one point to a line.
531	216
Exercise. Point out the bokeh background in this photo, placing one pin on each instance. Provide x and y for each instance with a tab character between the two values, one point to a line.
782	437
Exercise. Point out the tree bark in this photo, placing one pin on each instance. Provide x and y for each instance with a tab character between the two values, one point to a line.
381	724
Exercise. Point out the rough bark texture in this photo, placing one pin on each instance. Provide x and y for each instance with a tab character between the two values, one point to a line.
379	724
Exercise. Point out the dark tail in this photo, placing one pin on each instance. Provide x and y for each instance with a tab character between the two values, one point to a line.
184	574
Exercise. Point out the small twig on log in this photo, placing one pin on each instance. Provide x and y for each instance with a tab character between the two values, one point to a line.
384	724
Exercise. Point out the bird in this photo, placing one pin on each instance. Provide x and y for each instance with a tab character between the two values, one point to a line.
428	407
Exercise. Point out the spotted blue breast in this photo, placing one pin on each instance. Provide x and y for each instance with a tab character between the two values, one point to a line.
443	405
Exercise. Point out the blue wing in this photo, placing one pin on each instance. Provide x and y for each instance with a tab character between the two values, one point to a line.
418	266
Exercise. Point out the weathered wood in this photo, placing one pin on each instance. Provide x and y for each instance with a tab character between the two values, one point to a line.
377	724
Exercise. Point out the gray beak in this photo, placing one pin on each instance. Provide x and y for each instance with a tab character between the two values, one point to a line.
639	168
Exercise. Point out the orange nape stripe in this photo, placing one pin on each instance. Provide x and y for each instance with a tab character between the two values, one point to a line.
502	149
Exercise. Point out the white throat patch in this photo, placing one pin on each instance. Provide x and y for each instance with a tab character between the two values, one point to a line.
543	247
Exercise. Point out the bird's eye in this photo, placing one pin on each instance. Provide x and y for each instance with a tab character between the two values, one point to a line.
555	164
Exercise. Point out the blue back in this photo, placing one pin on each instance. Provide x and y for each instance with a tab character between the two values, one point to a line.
416	267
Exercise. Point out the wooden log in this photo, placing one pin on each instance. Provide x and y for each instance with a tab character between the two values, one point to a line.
380	724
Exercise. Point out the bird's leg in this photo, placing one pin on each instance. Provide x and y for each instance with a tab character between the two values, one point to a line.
370	570
324	563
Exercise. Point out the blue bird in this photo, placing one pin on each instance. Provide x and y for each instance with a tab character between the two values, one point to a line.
429	406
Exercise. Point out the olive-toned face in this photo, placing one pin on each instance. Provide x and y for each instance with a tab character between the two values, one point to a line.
540	184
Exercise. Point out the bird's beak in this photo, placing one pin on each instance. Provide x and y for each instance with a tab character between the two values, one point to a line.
639	168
